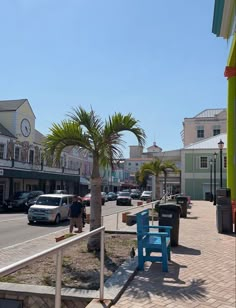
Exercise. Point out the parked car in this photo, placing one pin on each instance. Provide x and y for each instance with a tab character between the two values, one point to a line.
60	191
31	202
146	195
104	197
135	193
21	200
50	208
111	196
87	198
123	198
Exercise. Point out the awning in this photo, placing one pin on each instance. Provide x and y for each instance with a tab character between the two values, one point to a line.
224	18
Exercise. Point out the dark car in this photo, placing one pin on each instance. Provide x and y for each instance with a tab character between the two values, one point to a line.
86	200
135	194
111	196
22	200
123	199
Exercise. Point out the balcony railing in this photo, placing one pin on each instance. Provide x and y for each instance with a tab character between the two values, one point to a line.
9	163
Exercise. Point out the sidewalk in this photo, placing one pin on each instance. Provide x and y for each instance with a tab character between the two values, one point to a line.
201	273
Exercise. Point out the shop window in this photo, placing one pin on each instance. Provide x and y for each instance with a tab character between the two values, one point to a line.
216	131
225	162
200	132
203	162
17	153
2	147
31	157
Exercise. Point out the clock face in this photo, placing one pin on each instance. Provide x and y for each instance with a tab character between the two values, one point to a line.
25	127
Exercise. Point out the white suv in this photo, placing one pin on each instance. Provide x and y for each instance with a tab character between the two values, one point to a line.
146	195
50	208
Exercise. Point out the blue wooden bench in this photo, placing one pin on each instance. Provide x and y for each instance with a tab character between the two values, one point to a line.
152	242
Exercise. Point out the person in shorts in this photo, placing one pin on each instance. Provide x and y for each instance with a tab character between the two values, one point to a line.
75	215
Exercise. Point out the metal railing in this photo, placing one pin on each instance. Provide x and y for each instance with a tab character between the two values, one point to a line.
58	250
144	205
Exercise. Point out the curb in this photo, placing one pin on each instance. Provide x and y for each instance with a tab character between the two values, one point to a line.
116	285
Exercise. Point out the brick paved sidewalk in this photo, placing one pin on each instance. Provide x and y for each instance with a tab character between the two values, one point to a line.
201	273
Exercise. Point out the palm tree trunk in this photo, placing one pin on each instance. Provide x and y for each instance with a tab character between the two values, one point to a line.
158	188
95	207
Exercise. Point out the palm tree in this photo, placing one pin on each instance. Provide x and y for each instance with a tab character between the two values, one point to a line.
103	140
156	167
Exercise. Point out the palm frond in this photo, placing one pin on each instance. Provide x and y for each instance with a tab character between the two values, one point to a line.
64	135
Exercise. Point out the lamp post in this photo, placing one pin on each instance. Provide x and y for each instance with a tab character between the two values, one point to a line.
211	162
165	171
221	146
214	160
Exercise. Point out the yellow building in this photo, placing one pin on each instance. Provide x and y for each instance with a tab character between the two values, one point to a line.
224	25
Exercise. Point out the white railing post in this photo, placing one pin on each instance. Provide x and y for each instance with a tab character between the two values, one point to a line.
58	279
117	220
152	216
102	248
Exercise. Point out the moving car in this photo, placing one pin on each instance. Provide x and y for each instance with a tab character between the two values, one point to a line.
87	198
123	198
50	208
104	197
146	195
111	196
135	193
21	200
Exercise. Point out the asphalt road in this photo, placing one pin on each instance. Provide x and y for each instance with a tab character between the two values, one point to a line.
14	227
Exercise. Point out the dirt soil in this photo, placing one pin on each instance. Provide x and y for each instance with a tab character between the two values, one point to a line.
81	268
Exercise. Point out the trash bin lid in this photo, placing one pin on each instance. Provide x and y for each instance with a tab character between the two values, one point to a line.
172	207
182	198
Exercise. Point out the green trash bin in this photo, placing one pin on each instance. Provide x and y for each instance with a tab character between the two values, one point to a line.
183	202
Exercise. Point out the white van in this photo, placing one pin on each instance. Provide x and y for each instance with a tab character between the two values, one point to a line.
50	208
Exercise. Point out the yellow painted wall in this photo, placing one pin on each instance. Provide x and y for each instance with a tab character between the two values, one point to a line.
7	119
25	112
231	124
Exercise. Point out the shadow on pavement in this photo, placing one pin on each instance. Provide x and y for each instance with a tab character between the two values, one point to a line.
185	250
50	225
168	285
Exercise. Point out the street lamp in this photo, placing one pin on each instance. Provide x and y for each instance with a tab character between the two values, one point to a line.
211	162
165	171
214	160
221	146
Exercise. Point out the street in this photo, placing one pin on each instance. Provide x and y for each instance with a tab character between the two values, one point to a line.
14	227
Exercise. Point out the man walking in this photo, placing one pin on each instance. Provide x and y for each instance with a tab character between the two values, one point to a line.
75	215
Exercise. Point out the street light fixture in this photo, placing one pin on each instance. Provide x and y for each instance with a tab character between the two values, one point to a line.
214	160
221	146
211	162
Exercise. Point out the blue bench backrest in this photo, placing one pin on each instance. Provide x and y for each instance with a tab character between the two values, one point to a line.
142	222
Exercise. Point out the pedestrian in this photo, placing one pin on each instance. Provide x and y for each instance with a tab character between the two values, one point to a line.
75	215
83	214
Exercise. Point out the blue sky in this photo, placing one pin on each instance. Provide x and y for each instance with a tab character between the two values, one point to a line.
156	59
